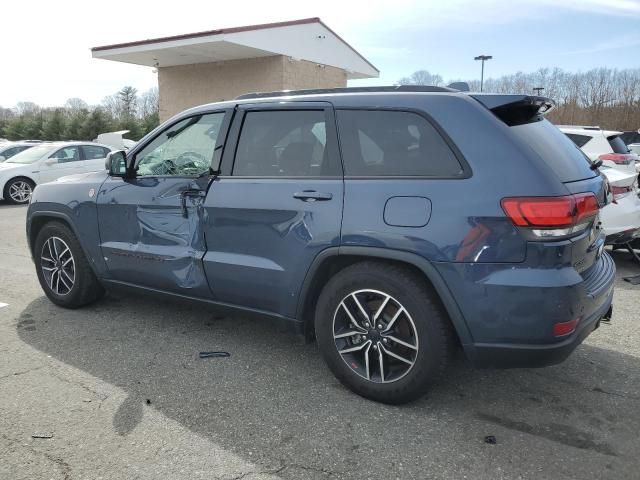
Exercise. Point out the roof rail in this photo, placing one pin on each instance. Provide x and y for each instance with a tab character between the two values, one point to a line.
318	91
583	127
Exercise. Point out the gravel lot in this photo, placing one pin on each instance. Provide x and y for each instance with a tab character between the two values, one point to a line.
121	389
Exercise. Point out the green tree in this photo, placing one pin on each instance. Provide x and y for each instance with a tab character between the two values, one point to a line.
54	126
97	122
33	126
128	100
133	125
74	125
14	129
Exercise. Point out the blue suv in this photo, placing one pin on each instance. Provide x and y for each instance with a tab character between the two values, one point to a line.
393	224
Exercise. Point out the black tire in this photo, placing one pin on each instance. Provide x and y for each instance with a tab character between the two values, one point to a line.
85	286
7	192
434	336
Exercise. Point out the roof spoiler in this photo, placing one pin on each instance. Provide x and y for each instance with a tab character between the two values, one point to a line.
516	109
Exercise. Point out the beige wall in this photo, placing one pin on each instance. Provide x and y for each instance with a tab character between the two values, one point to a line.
186	86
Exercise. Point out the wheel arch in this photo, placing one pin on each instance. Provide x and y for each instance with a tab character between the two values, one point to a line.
38	219
17	177
330	261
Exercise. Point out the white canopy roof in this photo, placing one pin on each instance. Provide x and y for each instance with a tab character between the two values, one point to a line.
306	39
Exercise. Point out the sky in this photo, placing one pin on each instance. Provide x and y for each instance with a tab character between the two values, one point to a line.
45	46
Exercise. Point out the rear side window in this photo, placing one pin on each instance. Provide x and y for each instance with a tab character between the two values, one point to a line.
393	143
92	152
559	153
284	143
579	140
617	144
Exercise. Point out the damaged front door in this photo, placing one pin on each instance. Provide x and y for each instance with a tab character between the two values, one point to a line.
151	226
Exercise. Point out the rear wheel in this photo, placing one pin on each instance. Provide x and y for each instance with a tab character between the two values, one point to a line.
382	332
18	190
63	270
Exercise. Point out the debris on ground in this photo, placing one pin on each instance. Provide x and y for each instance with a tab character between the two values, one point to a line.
633	280
214	354
490	439
42	435
148	402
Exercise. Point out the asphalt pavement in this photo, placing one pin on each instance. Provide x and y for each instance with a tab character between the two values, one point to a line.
119	392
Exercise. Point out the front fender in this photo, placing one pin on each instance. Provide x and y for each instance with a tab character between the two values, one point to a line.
75	204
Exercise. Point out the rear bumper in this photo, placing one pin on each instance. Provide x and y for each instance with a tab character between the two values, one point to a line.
533	356
510	311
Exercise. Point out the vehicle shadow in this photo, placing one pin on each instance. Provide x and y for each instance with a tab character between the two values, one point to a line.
274	401
5	205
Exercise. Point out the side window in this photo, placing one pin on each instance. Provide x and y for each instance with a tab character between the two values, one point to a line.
185	148
67	154
284	143
93	152
393	143
579	140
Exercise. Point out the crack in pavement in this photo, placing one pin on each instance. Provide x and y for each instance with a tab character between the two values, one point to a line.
64	466
283	467
15	374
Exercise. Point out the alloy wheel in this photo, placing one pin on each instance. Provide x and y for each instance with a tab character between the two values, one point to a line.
375	336
20	191
58	266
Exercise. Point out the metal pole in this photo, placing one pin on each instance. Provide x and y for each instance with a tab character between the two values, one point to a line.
482	58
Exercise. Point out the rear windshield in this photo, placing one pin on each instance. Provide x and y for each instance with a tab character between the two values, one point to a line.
556	149
617	144
630	137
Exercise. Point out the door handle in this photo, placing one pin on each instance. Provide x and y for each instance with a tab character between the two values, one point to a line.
312	196
183	199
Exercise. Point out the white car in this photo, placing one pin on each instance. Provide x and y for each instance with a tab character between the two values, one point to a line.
9	149
604	145
46	162
621	218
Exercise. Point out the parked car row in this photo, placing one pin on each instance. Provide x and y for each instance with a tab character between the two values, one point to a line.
632	139
620	218
373	219
37	163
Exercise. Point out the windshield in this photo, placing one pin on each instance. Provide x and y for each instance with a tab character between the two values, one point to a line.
31	155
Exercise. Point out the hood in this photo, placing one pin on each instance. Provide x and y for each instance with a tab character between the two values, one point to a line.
76	177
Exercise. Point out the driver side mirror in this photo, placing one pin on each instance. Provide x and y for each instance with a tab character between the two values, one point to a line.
2	158
51	161
118	165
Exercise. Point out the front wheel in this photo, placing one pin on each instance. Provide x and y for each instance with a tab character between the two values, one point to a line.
63	270
18	190
382	332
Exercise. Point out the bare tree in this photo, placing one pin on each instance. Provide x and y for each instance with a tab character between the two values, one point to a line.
421	77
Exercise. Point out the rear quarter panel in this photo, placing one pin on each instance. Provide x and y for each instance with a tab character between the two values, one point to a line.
467	223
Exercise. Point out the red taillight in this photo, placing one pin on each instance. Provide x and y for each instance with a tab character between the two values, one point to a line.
550	212
617	158
564	328
619	192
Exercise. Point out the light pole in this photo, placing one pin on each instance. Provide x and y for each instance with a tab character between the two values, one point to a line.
483	58
538	90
